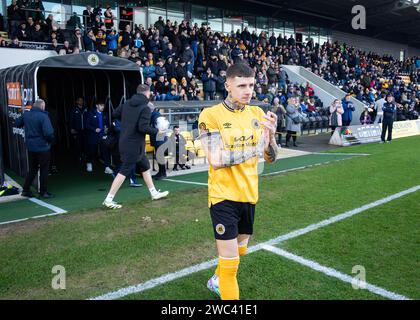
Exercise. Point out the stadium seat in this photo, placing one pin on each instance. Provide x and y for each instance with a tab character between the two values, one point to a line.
187	135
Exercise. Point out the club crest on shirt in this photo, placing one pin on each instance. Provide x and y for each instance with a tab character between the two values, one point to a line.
220	229
255	123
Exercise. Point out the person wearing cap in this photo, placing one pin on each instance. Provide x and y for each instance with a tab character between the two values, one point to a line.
389	110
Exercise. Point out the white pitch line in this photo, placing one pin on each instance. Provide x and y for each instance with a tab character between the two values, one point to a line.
333	273
190	270
186	182
341	154
47	205
55	209
35	217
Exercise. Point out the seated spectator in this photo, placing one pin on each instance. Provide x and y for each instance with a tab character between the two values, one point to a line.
149	70
193	90
365	117
16	44
161	88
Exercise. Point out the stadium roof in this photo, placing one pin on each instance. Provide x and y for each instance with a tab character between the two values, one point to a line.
392	20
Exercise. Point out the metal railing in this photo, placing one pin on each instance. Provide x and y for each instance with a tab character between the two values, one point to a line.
33	45
63	24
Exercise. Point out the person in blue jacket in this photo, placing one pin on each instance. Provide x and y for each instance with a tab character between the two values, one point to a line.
39	134
348	110
96	129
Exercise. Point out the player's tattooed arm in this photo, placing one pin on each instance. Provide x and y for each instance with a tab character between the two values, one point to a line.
271	151
218	157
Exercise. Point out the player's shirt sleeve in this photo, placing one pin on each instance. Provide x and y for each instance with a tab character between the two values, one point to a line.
206	122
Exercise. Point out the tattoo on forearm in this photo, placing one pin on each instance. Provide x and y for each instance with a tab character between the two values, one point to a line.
271	152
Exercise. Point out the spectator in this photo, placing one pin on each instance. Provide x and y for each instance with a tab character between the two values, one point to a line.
109	18
348	108
178	143
389	110
209	84
89	40
293	121
14	17
365	117
149	70
88	17
112	42
336	110
39	134
280	112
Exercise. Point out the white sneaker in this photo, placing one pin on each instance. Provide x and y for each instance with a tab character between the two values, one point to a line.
213	285
108	170
159	195
88	167
111	205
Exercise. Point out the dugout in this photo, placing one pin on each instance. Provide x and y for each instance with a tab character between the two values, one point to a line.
60	80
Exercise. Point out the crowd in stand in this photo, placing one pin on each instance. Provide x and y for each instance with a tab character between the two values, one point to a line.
175	57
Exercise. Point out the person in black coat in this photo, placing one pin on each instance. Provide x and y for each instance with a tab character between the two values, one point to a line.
135	116
39	134
156	142
77	128
389	110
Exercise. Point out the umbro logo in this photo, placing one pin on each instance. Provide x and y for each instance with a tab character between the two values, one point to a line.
227	125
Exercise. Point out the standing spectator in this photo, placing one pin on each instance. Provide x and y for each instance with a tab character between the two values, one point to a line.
389	110
88	17
112	42
39	134
156	141
14	16
336	111
293	121
138	41
209	84
89	40
220	85
379	104
279	110
178	142
348	108
77	40
101	44
126	37
109	18
188	57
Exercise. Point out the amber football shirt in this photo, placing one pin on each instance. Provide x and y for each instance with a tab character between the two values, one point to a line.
239	130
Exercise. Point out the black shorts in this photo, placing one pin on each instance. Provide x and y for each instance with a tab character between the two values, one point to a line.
128	165
231	218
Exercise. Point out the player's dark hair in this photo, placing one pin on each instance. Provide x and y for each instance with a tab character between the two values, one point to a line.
241	70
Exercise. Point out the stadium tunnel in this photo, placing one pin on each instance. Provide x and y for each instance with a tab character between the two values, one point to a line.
60	80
